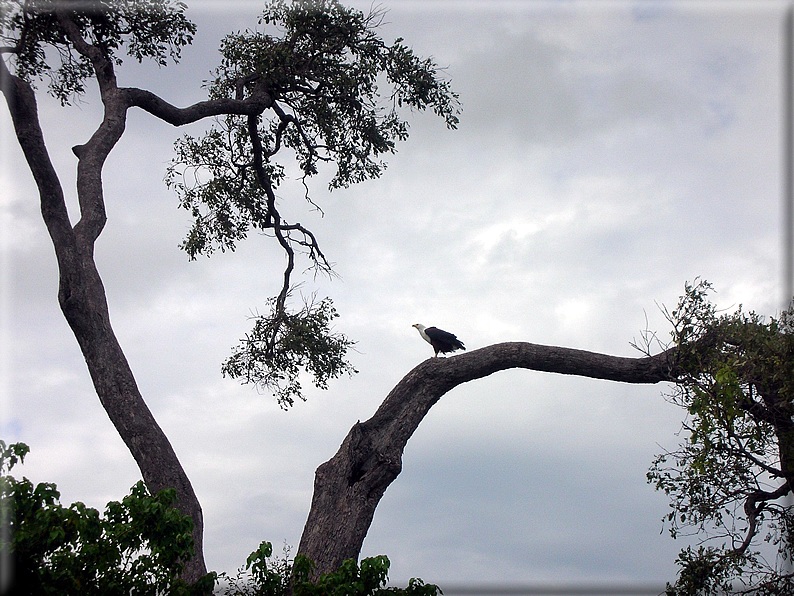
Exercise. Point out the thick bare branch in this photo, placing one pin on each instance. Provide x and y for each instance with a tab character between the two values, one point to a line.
348	487
155	105
82	299
81	292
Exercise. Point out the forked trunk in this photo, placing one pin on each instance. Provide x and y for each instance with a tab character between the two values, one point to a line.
82	299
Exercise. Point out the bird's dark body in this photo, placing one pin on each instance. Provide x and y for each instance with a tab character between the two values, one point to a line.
443	341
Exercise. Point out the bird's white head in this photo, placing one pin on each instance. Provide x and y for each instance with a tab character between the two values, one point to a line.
421	329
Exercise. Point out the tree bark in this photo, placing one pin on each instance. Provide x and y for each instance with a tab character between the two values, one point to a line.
349	486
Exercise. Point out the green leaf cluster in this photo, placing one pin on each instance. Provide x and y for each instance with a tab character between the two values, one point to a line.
325	64
152	29
263	576
735	381
138	546
336	90
705	572
283	344
214	179
367	579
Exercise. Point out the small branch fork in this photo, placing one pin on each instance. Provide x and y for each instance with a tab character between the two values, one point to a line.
753	506
742	451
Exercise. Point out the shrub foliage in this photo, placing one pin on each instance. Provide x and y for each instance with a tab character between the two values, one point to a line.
729	478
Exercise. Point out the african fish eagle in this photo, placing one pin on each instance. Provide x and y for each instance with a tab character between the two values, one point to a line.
442	341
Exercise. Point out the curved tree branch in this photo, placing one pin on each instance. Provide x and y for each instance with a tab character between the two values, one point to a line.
92	155
349	486
267	184
102	63
742	451
156	106
287	119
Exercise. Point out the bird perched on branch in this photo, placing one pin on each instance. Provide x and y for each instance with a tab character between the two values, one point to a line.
442	341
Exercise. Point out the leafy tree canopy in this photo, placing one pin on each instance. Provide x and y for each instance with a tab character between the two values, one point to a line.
323	68
313	90
322	65
727	479
280	346
138	546
153	29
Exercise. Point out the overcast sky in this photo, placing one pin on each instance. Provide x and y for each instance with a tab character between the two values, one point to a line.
607	153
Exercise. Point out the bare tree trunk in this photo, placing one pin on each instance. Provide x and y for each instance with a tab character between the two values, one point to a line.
86	310
349	486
